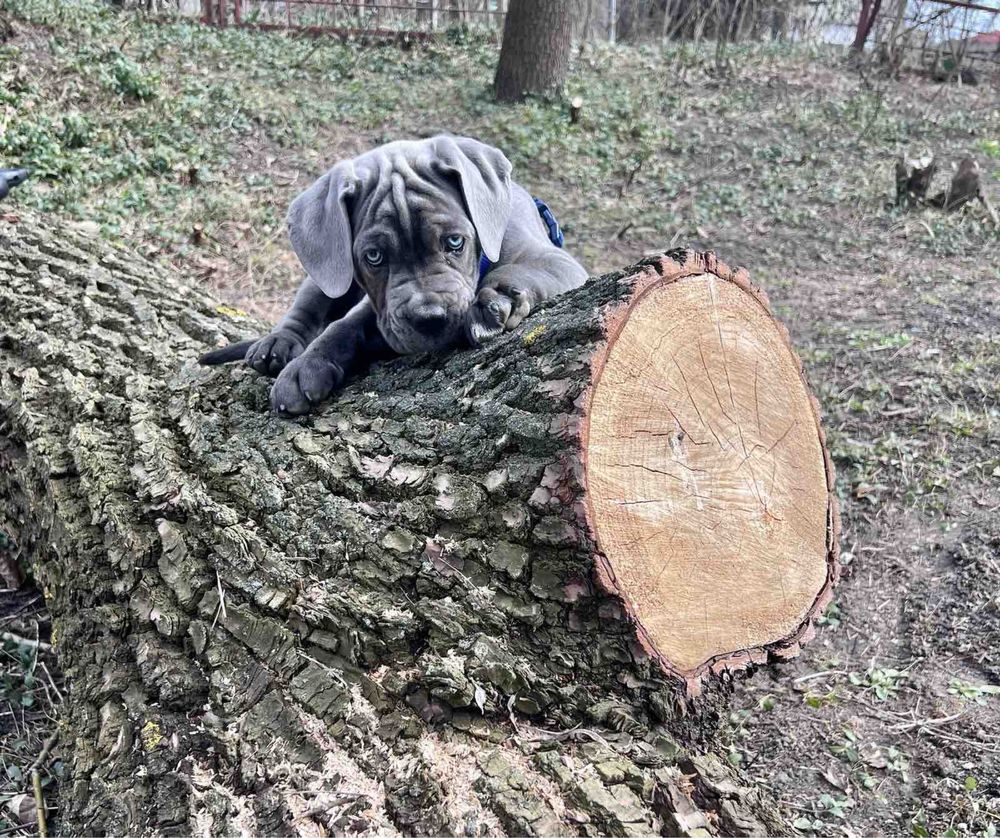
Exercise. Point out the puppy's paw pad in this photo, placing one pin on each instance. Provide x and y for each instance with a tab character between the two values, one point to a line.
303	384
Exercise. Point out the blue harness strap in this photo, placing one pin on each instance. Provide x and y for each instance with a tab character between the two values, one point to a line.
555	234
484	265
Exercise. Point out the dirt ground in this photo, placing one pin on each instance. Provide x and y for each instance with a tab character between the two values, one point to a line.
781	161
877	727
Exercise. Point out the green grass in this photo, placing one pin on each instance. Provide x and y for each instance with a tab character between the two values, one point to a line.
149	129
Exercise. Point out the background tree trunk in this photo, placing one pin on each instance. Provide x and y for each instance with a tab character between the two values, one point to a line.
381	617
534	56
636	20
866	20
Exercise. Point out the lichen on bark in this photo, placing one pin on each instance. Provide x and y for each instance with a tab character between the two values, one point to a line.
378	618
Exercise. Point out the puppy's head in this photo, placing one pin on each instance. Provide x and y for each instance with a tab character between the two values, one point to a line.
408	221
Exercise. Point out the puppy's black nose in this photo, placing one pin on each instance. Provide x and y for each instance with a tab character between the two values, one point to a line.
430	323
429	317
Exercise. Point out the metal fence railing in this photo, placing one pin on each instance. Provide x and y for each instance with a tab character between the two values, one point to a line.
365	17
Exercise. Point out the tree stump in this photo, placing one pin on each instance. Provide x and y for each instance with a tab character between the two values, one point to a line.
475	594
913	179
965	186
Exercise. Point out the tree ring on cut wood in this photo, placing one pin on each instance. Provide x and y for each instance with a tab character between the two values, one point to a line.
709	489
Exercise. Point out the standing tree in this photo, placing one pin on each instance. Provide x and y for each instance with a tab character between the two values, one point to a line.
537	38
866	20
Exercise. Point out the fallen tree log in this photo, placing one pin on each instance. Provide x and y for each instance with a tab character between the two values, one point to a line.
475	594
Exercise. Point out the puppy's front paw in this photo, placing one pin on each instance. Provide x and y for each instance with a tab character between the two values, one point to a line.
271	354
494	311
304	383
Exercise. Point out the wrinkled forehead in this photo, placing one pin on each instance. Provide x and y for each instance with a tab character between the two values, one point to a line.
403	187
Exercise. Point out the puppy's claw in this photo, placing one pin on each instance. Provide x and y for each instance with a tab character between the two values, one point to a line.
487	316
479	332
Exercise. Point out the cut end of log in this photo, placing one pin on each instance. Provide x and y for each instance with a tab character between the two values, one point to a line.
709	487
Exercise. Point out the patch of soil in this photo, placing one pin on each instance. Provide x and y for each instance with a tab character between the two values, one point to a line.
889	721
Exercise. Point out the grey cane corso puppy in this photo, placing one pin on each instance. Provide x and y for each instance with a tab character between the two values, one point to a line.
392	242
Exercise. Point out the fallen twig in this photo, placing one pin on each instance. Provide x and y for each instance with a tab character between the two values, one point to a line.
812	675
940	720
26	641
46	747
988	747
540	735
36	784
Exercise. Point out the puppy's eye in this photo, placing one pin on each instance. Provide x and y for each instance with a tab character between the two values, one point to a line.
454	243
374	257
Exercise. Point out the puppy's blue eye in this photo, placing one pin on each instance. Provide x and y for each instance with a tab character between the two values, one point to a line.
374	257
454	243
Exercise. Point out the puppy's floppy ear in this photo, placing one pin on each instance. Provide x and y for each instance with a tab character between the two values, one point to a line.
320	229
484	175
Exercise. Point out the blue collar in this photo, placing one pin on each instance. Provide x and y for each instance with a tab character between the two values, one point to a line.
555	234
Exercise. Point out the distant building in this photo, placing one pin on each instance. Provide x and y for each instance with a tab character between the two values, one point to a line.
983	46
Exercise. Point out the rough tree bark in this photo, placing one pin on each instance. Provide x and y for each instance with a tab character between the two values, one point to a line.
382	617
534	55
